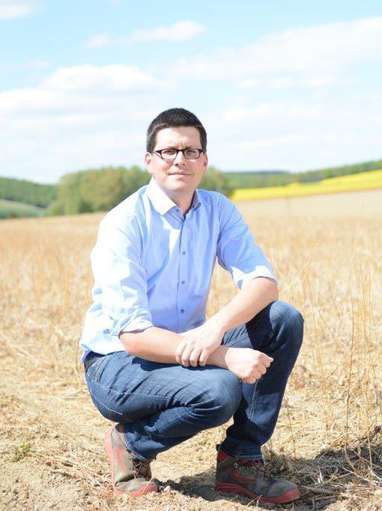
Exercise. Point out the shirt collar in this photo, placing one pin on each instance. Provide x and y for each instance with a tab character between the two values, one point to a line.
162	202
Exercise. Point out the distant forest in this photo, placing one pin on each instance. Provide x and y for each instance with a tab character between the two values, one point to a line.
101	189
264	178
28	192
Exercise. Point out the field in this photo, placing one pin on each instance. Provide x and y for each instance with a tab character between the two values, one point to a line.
350	183
327	251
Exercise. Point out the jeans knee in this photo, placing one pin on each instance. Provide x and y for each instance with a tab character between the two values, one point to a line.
224	395
287	318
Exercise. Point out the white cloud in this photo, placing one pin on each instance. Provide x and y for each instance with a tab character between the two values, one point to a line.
77	117
85	116
272	110
180	31
14	9
77	89
36	65
99	41
100	79
296	134
308	57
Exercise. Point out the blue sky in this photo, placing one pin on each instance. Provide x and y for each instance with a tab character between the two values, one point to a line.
278	84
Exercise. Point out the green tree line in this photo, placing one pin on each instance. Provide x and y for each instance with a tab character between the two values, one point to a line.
344	170
28	192
260	179
101	189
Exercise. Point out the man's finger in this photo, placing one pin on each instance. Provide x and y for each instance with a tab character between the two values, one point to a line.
262	370
250	379
203	358
195	357
267	360
185	358
179	351
255	375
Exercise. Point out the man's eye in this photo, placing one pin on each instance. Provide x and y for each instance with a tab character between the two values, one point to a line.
191	153
169	152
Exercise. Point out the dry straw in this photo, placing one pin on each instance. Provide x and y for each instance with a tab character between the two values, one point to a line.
327	252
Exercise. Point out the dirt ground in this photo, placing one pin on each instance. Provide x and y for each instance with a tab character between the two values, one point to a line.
327	252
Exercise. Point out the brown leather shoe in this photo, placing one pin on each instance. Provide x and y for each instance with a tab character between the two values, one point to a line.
129	475
250	479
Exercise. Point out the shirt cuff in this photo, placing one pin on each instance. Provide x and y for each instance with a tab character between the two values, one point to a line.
241	278
128	325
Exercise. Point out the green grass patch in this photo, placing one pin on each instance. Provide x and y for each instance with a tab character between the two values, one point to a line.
12	209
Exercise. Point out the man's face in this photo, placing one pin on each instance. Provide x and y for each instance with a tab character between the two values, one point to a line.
179	177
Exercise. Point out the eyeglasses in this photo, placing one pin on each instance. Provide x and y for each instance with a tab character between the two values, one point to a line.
171	153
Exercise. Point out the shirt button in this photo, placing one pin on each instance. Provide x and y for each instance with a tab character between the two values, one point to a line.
183	282
182	310
183	252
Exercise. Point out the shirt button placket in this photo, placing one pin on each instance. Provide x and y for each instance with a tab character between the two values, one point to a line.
181	310
183	266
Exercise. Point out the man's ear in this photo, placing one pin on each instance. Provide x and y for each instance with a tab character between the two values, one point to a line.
147	160
205	162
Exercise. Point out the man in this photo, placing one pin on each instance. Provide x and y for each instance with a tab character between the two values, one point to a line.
154	364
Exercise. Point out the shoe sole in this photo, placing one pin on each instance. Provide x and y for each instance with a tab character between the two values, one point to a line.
288	496
150	487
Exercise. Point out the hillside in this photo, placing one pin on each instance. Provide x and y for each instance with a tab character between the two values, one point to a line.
265	178
27	192
13	209
100	189
351	183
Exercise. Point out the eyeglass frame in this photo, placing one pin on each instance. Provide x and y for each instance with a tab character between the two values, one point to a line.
159	153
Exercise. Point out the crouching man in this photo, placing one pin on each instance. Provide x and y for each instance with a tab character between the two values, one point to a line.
154	364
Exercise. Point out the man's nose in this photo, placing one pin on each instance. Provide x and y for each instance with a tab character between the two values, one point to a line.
179	158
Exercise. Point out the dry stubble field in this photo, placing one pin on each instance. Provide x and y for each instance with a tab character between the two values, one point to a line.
328	255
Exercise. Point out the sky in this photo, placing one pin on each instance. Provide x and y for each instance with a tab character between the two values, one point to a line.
278	84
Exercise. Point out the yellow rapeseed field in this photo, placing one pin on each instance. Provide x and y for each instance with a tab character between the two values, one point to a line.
327	252
363	181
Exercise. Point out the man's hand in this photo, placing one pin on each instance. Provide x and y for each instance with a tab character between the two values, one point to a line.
198	344
249	365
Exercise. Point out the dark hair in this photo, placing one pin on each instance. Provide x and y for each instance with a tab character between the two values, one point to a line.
173	118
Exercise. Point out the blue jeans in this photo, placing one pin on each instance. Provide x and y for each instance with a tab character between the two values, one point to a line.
162	405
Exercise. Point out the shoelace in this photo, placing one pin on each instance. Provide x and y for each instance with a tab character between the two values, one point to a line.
141	469
253	467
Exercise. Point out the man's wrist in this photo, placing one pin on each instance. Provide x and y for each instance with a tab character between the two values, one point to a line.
229	355
222	357
218	324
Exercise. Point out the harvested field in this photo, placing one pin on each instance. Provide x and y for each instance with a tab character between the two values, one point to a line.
327	252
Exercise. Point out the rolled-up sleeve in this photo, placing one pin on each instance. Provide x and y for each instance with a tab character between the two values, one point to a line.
237	250
120	279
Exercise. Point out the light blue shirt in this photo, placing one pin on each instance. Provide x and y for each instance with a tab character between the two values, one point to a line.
153	265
